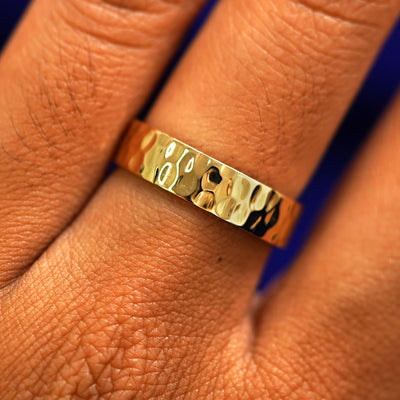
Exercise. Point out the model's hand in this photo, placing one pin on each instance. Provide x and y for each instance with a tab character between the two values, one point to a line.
118	290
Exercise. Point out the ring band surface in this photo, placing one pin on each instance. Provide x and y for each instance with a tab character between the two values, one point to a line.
208	183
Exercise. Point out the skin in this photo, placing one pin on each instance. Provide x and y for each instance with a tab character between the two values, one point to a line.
118	290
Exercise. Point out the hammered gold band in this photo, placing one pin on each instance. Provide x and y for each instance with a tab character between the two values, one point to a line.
208	183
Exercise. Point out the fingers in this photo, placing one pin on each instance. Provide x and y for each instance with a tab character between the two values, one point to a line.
143	283
341	302
70	79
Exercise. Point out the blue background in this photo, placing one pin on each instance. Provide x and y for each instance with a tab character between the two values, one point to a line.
380	86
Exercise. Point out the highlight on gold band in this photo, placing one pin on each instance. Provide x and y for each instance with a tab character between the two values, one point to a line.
208	183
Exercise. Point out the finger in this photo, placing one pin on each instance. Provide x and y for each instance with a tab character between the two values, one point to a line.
238	138
177	281
70	79
267	96
341	302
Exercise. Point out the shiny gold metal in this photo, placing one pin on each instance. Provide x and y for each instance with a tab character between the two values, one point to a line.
208	183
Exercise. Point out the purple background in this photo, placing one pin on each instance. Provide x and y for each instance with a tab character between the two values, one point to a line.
377	91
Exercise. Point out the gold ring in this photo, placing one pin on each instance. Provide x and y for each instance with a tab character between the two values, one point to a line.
208	183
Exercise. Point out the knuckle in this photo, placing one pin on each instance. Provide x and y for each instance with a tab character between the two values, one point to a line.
85	60
57	100
86	67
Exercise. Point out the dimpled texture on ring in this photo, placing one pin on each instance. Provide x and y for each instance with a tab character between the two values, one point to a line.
209	184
